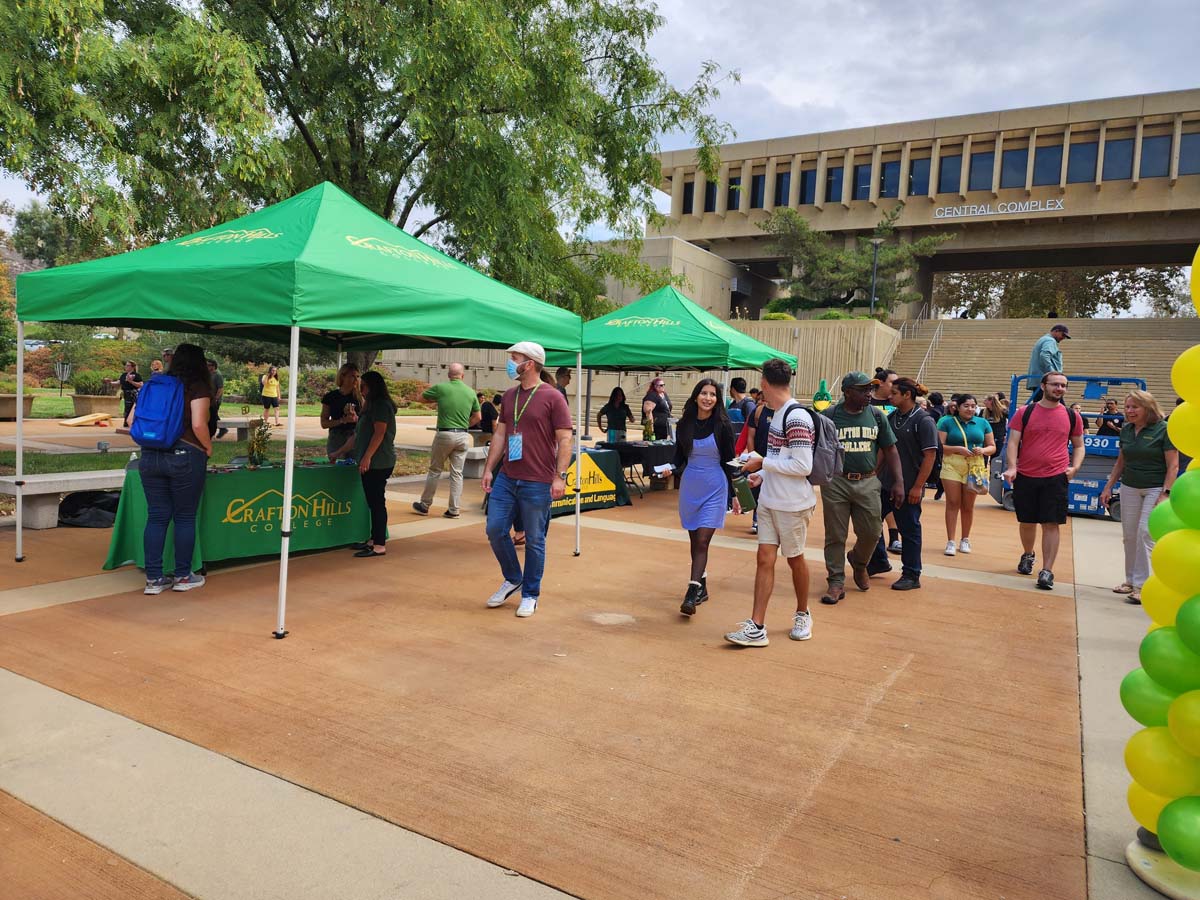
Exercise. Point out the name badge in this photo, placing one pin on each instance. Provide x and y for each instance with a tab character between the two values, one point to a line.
515	447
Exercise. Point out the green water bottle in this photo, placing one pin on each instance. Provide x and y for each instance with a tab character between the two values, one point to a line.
822	399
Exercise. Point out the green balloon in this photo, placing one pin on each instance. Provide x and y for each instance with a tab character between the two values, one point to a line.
1185	498
1187	623
1145	699
1169	662
1164	519
1179	831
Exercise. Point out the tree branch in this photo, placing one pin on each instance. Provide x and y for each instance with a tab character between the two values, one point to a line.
412	201
436	220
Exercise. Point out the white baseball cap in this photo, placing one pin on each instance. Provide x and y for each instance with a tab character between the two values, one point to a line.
529	349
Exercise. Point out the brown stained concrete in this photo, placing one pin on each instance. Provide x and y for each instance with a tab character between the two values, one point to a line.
45	860
919	746
51	554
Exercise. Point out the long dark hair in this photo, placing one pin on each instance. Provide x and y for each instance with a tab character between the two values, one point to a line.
190	366
686	427
377	390
612	398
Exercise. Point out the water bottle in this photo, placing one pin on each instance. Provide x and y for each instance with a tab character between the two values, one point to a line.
745	495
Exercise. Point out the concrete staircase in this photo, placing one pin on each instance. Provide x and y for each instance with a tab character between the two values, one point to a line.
981	356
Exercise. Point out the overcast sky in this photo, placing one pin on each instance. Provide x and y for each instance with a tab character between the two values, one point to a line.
816	65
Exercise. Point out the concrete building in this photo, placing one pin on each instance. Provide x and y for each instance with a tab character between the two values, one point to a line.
1111	182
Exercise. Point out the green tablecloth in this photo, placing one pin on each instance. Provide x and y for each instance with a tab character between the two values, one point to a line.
241	514
603	483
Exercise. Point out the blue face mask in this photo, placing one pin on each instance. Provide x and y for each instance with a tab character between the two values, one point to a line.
512	370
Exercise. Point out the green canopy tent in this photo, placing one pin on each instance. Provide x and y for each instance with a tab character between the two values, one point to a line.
318	269
666	331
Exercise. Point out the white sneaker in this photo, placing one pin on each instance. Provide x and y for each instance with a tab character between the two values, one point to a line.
506	590
188	583
748	635
801	627
528	607
950	548
964	546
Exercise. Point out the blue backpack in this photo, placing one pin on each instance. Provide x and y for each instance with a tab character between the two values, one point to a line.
158	419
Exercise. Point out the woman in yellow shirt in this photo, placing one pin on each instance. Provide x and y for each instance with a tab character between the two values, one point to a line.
270	393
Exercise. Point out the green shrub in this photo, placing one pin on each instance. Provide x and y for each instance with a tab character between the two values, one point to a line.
92	384
778	317
833	314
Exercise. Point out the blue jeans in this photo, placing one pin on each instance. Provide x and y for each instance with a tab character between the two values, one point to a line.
908	520
173	481
531	500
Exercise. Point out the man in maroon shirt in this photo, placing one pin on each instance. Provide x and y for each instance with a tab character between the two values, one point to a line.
533	438
1038	467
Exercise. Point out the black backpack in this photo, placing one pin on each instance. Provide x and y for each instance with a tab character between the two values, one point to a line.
1028	411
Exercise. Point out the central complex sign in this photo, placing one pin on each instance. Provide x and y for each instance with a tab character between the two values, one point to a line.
1006	208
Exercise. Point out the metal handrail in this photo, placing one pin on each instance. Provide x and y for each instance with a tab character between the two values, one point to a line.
937	336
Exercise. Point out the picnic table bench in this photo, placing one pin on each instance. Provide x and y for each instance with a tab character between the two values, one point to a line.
41	493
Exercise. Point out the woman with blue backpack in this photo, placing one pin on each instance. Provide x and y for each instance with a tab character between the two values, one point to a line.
170	423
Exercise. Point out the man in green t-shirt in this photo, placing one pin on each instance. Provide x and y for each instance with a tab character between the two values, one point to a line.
869	444
458	410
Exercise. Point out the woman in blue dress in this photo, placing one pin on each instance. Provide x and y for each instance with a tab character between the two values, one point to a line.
703	444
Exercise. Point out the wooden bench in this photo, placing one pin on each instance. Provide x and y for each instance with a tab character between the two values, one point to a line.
41	493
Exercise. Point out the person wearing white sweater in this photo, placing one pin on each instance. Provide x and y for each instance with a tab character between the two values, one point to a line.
785	506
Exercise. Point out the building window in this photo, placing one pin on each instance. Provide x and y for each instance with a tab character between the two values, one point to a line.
949	170
833	184
889	179
1189	154
1156	156
758	189
783	185
862	182
918	177
1012	168
1081	163
1047	164
1118	160
980	176
710	196
808	186
735	196
689	196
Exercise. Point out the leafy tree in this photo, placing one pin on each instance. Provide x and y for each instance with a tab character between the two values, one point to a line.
8	320
819	272
39	233
239	350
1065	293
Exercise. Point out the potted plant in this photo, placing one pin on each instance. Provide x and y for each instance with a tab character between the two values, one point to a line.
257	445
8	401
93	393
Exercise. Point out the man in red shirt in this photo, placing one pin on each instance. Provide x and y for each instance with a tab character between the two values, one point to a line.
533	438
1039	469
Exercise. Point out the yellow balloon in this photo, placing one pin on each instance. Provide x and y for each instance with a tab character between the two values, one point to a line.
1161	602
1184	428
1146	806
1193	465
1185	374
1159	764
1183	720
1176	560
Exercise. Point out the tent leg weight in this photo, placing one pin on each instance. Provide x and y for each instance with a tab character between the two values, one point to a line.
279	635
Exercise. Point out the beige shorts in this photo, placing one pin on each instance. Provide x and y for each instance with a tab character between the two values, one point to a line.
954	468
787	530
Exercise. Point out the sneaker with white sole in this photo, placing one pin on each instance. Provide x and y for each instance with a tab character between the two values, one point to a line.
950	549
506	590
188	583
528	607
749	635
964	546
158	585
801	626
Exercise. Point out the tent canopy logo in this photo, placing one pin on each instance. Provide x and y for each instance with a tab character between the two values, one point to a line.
398	251
232	236
642	322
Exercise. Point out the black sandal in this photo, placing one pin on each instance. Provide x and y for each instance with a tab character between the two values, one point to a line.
369	551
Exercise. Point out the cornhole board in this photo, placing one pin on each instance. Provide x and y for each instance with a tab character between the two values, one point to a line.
92	419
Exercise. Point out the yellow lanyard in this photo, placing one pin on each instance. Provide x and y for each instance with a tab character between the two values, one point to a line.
517	413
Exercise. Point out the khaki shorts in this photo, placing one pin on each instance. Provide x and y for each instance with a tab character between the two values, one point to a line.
787	530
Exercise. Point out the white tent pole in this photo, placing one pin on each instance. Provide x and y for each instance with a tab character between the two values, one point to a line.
341	359
578	451
288	470
725	386
20	432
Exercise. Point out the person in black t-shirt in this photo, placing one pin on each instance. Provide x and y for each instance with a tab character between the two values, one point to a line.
614	415
131	383
488	412
339	408
1110	426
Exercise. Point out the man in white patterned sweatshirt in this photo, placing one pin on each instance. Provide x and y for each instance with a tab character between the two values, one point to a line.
785	506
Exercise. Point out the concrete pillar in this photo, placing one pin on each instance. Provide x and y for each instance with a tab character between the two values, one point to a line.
698	193
1176	137
905	169
1029	162
794	184
923	282
847	177
935	169
1100	154
747	181
677	194
964	169
723	191
769	187
819	197
1137	152
1062	177
997	154
876	174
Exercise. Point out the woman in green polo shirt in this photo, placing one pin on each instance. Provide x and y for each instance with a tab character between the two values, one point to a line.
967	443
1146	467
